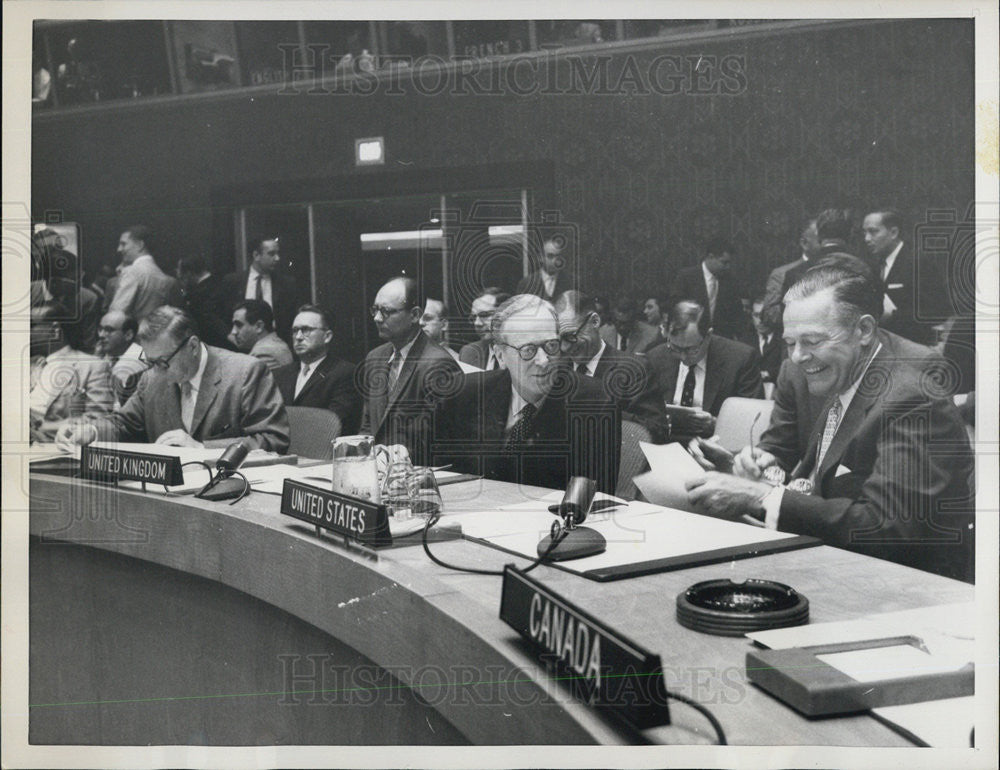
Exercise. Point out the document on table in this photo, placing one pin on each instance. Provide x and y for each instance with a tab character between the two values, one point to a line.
671	467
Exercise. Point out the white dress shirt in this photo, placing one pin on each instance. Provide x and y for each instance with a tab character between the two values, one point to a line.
189	400
549	281
891	260
699	382
265	286
593	362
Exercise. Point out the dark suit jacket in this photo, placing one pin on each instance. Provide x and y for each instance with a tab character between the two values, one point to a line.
404	415
330	386
237	397
206	302
475	353
771	357
628	379
575	433
917	309
731	369
642	338
729	319
286	295
533	284
896	482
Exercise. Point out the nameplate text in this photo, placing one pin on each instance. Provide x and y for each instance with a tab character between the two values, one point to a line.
352	517
108	464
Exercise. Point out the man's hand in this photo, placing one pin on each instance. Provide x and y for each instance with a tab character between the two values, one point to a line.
710	454
699	423
751	462
75	433
727	497
178	437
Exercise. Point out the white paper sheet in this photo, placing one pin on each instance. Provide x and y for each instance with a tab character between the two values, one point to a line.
671	467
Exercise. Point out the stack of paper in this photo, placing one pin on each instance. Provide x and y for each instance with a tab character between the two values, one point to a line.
671	467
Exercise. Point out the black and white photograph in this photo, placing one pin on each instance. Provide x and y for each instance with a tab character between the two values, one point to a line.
456	385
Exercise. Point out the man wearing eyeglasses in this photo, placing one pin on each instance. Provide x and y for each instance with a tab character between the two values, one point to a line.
402	379
481	353
116	345
320	379
194	395
626	377
697	370
534	422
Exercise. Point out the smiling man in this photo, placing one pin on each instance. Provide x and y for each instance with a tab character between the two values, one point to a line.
534	422
194	395
887	467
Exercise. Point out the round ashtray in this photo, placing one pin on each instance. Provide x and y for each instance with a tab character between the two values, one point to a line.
727	608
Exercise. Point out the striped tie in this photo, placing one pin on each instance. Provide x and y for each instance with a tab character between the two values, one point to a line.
829	431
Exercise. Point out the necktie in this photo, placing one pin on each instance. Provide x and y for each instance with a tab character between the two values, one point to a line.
687	393
259	292
829	431
763	343
303	379
187	405
519	430
394	367
582	369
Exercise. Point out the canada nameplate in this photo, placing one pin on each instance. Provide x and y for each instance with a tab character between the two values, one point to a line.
107	464
602	667
351	517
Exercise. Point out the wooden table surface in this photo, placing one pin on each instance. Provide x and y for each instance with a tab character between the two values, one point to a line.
404	610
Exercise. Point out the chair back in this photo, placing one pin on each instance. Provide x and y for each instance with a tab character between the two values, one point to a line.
633	461
312	431
736	417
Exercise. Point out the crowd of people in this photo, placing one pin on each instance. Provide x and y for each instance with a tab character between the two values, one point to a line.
866	447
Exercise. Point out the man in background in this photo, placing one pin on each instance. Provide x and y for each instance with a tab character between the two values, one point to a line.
264	281
782	278
142	285
626	332
768	343
481	353
253	333
203	300
552	277
320	379
710	283
116	345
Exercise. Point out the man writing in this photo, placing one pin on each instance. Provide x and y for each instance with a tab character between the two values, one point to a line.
532	422
887	468
194	395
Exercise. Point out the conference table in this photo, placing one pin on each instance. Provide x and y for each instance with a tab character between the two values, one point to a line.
165	619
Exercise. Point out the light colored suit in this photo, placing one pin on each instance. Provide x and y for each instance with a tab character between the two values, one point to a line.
143	287
69	384
237	397
273	351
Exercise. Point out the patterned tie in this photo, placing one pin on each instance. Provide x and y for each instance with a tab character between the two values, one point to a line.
187	405
687	393
259	291
394	367
829	431
519	430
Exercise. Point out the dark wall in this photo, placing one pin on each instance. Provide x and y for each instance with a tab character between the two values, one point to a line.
877	113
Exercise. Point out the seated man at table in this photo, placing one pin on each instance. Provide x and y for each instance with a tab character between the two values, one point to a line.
625	376
888	468
699	370
65	382
533	422
253	333
194	395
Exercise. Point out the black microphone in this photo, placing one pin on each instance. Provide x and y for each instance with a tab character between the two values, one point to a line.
232	458
572	541
223	486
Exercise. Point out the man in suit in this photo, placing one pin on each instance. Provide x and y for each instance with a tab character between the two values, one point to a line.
142	285
203	300
782	278
402	379
833	227
907	304
626	332
534	422
768	343
699	370
253	333
624	376
194	395
320	379
887	468
265	282
116	344
552	277
710	284
65	382
480	353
